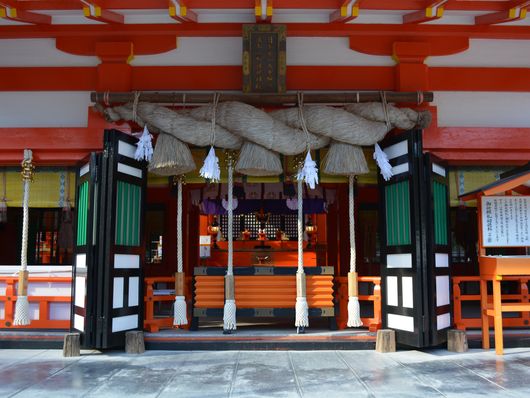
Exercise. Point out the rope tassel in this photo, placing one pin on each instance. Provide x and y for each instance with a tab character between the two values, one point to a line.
22	306
301	307
180	312
230	309
354	311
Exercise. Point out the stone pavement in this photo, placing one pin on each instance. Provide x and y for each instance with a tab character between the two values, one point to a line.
328	374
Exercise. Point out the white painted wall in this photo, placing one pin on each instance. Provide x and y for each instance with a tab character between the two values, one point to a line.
300	51
39	52
482	109
488	53
44	109
228	50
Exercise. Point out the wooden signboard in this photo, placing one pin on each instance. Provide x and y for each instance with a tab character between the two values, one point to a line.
264	58
506	221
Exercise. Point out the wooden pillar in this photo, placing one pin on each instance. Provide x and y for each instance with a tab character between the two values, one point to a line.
411	72
114	72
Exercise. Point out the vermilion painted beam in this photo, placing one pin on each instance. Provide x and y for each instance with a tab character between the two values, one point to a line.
516	11
229	77
16	14
55	145
410	5
479	79
48	78
458	145
479	145
295	30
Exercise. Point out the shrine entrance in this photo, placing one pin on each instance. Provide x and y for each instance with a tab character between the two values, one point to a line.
266	231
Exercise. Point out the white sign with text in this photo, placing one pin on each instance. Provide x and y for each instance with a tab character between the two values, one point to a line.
506	221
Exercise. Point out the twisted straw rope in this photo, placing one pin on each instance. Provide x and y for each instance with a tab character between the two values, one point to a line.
300	229
353	254
230	265
179	226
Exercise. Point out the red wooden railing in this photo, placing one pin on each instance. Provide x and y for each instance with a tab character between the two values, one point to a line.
44	321
373	323
463	323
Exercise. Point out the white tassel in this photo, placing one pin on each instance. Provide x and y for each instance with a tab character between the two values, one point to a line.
302	312
354	312
179	311
210	170
309	172
383	163
229	315
144	147
22	311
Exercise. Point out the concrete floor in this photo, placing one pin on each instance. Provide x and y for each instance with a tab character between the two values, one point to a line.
328	374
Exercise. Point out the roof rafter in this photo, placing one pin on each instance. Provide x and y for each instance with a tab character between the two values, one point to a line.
263	10
517	10
434	9
93	10
180	12
348	11
9	10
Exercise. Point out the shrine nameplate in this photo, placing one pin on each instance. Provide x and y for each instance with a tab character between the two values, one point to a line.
264	58
506	221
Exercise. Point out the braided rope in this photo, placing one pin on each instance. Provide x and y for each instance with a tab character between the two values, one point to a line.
135	106
179	226
180	312
354	311
300	97
300	228
230	308
230	265
27	176
22	305
301	307
214	109
353	258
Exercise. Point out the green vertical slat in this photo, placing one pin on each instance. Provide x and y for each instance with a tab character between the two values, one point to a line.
82	215
440	213
397	206
128	197
128	216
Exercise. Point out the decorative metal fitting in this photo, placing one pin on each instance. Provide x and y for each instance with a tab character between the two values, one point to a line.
27	170
230	157
180	178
